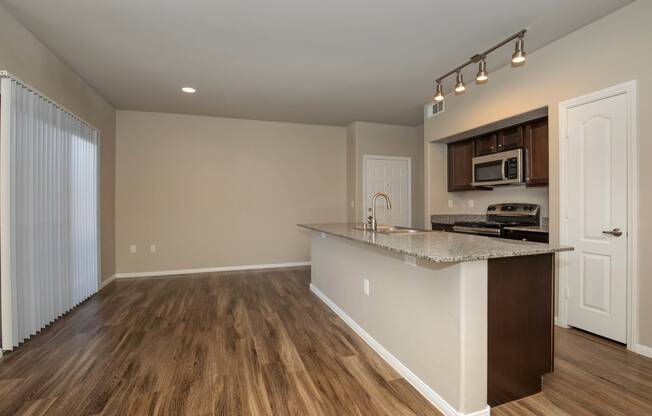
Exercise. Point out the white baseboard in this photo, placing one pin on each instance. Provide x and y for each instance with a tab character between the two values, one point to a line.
106	282
643	350
212	269
559	324
400	368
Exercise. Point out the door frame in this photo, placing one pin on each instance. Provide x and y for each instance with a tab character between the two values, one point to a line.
366	158
630	91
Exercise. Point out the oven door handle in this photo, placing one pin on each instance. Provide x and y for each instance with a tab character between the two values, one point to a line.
478	230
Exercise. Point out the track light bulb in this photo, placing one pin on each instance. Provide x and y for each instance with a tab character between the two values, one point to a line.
482	75
439	95
518	57
460	87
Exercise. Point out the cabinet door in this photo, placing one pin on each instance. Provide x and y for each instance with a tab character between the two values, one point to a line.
536	153
526	236
485	145
460	157
510	138
442	227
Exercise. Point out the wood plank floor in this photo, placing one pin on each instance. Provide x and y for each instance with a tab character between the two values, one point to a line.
246	343
592	377
259	343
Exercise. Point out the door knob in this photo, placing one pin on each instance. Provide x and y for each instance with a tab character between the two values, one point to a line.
616	232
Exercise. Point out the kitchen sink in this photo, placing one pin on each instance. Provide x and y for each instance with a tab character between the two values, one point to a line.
387	229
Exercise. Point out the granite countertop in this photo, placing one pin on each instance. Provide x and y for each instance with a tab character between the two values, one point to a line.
437	246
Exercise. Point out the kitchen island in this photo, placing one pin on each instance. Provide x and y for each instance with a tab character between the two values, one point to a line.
467	320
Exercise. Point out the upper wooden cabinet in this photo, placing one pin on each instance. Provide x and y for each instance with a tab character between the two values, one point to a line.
486	144
536	153
506	139
460	157
531	136
511	138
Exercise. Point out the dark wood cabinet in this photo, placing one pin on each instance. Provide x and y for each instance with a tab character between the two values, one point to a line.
531	136
460	157
511	138
442	227
520	329
485	145
526	236
507	139
536	153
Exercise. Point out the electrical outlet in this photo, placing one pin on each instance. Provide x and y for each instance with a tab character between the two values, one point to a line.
471	203
450	203
152	248
352	204
132	249
365	286
323	235
411	260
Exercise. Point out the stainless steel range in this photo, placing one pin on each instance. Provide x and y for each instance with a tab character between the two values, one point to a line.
500	216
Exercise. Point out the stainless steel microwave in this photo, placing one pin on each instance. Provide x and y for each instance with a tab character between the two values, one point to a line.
503	168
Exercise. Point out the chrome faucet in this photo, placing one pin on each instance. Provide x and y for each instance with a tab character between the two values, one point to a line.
373	224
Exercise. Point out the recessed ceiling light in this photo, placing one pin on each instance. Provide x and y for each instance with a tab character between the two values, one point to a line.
189	90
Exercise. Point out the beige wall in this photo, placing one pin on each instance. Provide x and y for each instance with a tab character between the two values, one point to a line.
384	140
25	57
612	50
212	192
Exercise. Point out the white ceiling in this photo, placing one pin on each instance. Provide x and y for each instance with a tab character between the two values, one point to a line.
324	62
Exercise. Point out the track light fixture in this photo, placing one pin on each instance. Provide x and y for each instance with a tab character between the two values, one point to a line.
439	94
460	86
518	58
482	75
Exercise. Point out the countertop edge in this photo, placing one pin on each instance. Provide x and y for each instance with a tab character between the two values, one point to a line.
550	250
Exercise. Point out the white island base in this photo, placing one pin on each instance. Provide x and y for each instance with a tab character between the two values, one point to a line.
428	321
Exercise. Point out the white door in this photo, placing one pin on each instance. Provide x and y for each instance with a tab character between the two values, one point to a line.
597	215
391	176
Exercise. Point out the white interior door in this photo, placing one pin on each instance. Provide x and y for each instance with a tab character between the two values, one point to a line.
391	176
597	215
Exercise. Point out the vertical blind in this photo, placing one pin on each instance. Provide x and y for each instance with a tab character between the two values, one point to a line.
49	234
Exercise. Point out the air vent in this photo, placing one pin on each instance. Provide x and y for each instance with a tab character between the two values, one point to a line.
435	108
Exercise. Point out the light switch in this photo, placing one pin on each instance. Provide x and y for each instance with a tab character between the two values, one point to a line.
152	248
471	203
450	203
132	249
365	286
